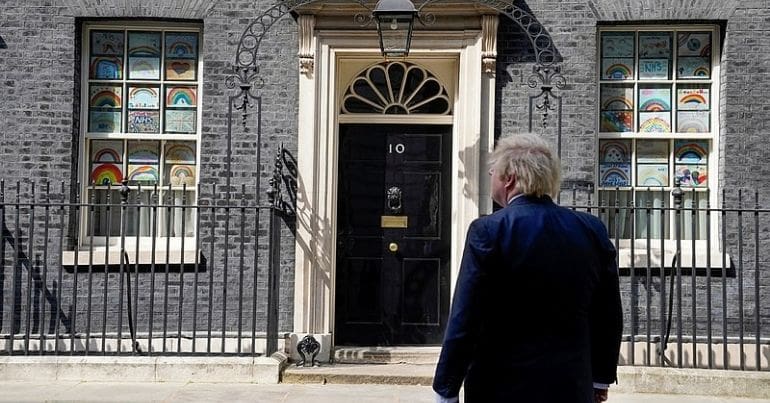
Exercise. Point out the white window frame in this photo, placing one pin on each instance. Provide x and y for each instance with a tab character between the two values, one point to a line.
665	256
95	247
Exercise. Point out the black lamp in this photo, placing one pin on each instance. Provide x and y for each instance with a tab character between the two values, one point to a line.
395	19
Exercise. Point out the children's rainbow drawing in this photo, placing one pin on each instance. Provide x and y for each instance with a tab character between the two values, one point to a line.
617	121
143	151
694	67
143	121
617	44
144	68
106	97
615	175
182	175
107	43
104	122
617	97
655	99
617	103
106	67
180	153
615	151
690	152
617	70
144	44
106	174
106	151
693	98
692	175
180	96
143	98
693	122
652	175
655	122
143	173
181	45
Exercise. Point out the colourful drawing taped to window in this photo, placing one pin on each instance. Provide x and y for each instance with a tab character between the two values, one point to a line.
102	96
106	68
103	122
616	122
655	99
107	43
180	121
143	98
144	68
181	175
180	152
693	67
654	44
653	69
692	175
693	98
615	174
143	122
693	122
655	122
182	45
617	97
145	44
107	151
181	96
617	44
614	151
691	151
694	44
143	152
617	68
144	174
652	175
180	69
106	174
652	151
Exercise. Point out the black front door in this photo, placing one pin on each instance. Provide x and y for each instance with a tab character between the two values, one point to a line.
393	221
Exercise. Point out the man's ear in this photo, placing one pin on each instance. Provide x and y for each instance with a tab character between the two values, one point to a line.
510	182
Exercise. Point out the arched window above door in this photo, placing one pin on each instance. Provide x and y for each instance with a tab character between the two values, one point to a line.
396	88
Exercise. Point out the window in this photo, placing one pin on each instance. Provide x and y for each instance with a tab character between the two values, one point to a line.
657	125
141	89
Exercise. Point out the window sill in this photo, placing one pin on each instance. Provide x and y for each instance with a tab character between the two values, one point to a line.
692	258
100	256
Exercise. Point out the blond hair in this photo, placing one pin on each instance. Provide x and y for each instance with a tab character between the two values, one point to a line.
530	159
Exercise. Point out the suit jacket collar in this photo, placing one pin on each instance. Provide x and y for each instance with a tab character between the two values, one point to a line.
528	199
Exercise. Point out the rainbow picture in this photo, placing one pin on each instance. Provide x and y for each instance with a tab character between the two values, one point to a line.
617	103
617	122
103	122
106	151
182	175
655	99
182	45
690	151
143	97
143	173
615	175
614	151
106	174
106	68
144	68
144	44
693	98
180	69
143	152
652	175
655	122
694	44
180	153
106	96
617	69
617	44
651	151
692	175
694	67
617	97
693	122
180	96
107	43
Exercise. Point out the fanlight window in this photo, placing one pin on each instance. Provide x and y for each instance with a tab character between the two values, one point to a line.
396	88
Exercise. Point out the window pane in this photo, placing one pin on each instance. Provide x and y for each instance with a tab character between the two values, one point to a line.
615	163
654	221
655	55
652	163
655	109
181	55
616	216
144	55
691	160
617	55
694	55
694	217
106	162
175	220
105	102
617	103
143	162
180	164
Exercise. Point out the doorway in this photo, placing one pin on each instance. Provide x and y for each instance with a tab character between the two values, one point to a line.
393	234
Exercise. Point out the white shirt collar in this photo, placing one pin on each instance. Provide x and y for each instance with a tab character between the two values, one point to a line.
515	197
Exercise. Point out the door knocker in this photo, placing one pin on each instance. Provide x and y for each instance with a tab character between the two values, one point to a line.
394	200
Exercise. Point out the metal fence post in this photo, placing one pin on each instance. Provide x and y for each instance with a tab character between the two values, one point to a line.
678	195
273	268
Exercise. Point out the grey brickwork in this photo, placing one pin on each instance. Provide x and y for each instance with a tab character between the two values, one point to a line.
40	125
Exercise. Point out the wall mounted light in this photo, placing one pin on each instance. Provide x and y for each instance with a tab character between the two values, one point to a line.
395	20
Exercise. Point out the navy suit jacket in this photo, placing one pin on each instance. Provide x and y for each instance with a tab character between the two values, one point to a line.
549	275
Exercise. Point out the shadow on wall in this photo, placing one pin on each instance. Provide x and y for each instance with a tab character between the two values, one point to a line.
2	43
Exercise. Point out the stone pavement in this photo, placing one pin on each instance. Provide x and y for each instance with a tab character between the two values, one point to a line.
40	391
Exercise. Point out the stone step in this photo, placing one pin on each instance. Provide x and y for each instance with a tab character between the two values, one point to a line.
388	374
387	355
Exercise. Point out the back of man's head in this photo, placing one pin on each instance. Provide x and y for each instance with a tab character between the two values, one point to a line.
531	160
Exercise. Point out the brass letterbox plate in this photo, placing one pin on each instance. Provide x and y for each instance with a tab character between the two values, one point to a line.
393	221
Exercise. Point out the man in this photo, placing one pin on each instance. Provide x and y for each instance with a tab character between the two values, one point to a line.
544	271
